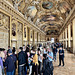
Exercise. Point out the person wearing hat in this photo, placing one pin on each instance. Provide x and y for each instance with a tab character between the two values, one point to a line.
9	63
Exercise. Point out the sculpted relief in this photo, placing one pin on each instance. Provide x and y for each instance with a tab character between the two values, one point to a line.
4	21
19	27
4	34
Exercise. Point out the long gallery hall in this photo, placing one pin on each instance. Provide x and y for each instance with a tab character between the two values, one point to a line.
37	37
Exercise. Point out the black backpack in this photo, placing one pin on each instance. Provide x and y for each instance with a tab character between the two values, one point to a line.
49	66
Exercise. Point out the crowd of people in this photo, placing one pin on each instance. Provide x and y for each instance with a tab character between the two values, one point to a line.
31	60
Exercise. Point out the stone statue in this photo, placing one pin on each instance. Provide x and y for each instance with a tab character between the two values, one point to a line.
4	21
29	19
16	5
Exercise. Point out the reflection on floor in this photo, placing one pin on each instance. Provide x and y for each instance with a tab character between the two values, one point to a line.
69	68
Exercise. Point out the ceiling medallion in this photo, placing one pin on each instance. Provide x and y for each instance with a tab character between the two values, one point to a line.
46	18
47	5
51	24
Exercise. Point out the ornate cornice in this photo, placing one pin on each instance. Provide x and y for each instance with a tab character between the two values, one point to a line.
68	19
7	7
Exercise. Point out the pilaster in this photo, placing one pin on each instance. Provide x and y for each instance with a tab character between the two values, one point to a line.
69	34
66	36
74	35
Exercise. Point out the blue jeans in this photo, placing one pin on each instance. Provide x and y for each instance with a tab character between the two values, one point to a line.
21	70
25	70
54	57
10	73
3	71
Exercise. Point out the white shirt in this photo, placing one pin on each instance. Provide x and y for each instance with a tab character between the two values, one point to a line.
39	58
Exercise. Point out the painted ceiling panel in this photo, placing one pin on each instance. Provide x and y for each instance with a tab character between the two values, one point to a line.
48	15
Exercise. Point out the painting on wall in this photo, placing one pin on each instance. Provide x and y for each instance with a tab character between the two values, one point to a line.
13	29
25	32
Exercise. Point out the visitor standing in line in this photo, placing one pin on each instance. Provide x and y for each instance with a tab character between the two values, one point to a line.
61	56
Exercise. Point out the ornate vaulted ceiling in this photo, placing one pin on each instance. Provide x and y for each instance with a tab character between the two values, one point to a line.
48	15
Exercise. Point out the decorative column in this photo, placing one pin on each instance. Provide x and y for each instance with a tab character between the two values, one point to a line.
63	39
28	35
73	35
10	31
33	37
40	37
23	36
37	38
69	34
66	36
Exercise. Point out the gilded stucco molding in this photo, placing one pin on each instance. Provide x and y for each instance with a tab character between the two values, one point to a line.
68	19
7	7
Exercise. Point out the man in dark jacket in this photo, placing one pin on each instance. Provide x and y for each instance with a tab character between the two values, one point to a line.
21	61
26	58
54	53
9	63
61	56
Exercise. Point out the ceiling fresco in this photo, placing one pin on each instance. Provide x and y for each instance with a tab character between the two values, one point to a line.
63	7
48	18
48	15
50	32
32	11
47	5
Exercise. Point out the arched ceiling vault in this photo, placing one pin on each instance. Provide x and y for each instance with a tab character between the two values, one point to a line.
48	15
